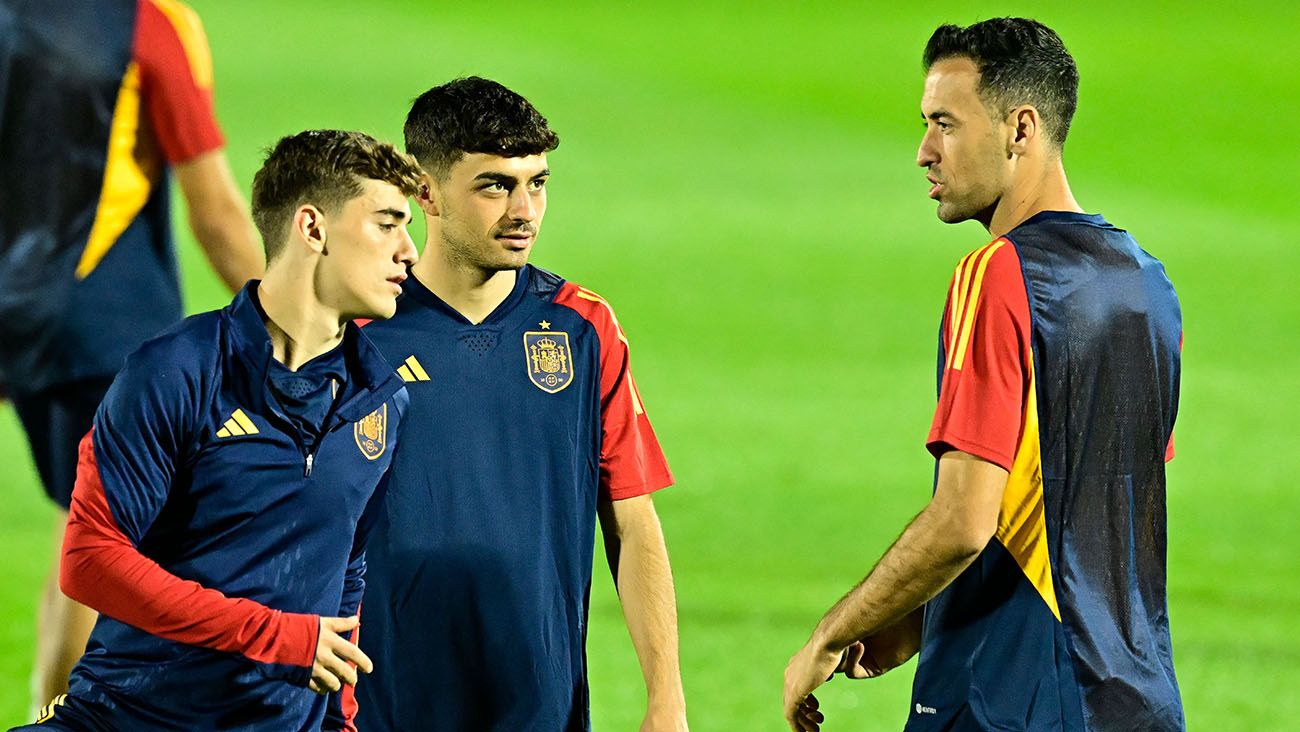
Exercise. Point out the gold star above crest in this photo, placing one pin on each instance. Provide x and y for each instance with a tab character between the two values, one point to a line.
545	325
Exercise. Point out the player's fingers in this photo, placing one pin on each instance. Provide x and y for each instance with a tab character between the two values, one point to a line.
325	678
339	667
350	653
340	625
315	687
852	656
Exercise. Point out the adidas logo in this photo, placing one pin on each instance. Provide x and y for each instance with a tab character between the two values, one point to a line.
238	424
411	370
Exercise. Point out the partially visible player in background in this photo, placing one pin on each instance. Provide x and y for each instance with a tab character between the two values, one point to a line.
526	429
1033	583
101	102
220	514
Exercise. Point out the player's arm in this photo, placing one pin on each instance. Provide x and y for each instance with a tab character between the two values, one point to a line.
125	472
176	90
218	216
632	466
638	560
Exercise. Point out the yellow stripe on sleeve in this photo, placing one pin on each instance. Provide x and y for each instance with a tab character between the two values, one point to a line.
195	42
968	320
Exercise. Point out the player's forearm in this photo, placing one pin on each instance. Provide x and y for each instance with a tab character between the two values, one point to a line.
928	556
229	242
102	569
219	218
645	588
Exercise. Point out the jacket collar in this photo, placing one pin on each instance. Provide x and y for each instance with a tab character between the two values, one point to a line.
371	380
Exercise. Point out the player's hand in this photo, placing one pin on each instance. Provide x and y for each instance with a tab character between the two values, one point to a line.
808	669
883	651
337	659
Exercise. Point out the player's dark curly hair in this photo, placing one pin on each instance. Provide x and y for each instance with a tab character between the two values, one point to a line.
1021	61
473	115
324	168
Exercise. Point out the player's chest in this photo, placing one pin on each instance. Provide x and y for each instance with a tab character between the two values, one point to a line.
544	365
251	460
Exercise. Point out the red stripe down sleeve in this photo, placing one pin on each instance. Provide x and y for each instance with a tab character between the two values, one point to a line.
631	461
103	569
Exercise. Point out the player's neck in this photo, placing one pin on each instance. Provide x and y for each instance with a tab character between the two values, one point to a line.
470	291
1047	189
300	326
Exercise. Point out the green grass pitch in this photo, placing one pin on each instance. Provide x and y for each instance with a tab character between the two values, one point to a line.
739	181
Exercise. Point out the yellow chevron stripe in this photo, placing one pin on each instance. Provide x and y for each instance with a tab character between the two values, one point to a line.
972	306
405	372
126	185
1022	528
234	427
244	422
417	369
223	432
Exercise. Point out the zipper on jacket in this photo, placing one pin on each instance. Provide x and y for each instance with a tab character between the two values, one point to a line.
306	473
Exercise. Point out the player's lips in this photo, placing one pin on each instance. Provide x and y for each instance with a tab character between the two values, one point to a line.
934	187
518	240
397	281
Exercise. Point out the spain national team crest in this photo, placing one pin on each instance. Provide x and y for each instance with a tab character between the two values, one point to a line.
371	432
550	363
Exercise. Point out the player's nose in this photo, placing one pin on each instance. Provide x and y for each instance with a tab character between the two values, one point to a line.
406	253
928	153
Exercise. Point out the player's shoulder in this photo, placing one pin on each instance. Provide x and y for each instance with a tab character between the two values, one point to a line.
174	368
995	262
193	342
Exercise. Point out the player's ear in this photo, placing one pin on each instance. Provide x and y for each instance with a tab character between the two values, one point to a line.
1025	129
309	228
427	197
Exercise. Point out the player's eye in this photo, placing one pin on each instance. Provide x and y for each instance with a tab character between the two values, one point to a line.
538	184
495	187
388	227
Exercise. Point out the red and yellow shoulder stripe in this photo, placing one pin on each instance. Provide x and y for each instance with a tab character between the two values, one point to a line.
964	299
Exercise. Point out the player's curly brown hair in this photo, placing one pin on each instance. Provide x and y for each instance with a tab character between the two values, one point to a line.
324	168
473	115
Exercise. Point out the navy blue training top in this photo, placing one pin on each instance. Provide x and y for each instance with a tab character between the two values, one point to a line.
211	535
480	568
1059	360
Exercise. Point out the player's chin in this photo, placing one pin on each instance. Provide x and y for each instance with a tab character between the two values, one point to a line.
380	307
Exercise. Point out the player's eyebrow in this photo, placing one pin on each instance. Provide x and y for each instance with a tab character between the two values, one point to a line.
543	174
395	213
502	178
937	115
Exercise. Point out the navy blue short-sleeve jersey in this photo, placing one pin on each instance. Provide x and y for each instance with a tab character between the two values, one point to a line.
480	568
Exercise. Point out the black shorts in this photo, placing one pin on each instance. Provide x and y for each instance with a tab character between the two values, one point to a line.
66	714
55	420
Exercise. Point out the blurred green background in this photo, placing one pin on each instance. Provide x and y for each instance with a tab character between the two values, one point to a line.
739	180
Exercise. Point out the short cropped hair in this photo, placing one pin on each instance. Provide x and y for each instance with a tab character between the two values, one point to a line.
1021	61
473	115
324	168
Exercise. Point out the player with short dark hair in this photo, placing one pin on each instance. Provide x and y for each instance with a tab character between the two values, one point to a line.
527	426
225	492
1033	584
102	103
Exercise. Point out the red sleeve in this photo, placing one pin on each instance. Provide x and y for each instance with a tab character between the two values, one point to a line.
104	570
986	358
631	461
175	64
